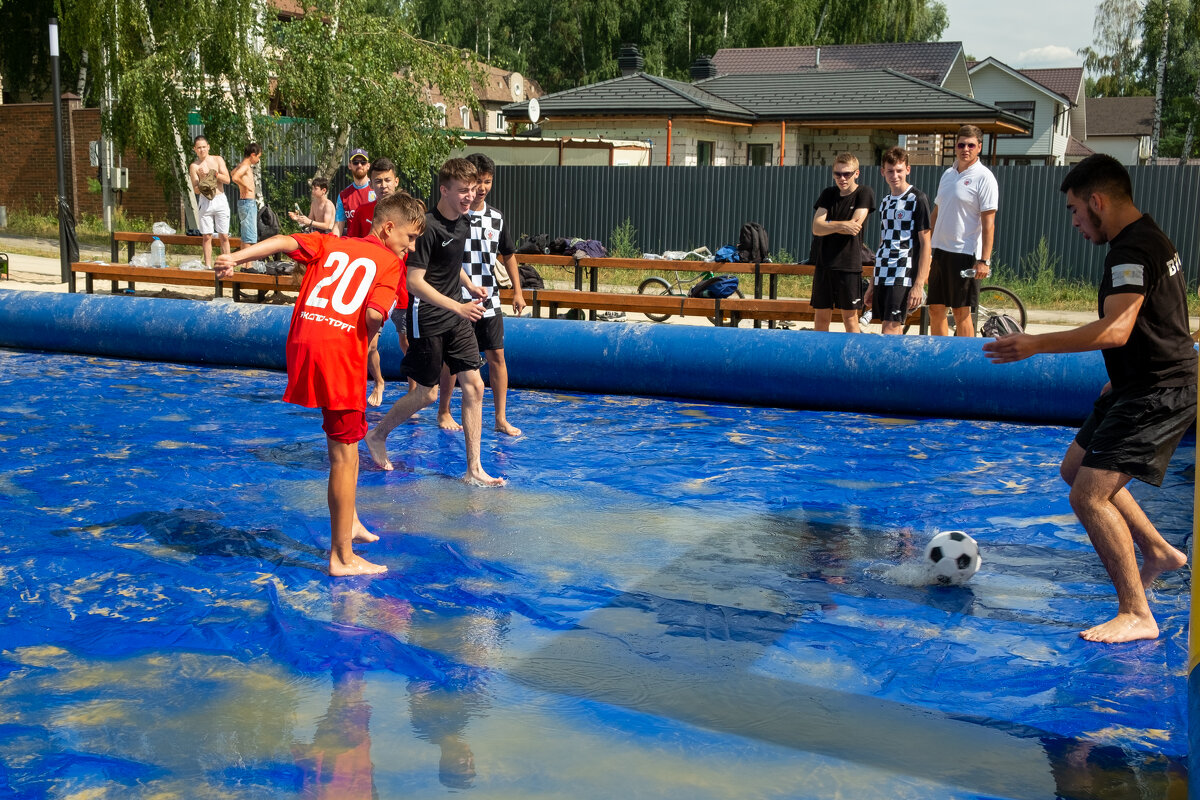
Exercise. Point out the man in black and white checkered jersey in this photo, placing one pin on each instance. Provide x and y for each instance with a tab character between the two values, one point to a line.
904	243
489	243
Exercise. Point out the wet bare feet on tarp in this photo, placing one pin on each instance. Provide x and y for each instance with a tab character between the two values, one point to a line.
1122	628
355	565
378	451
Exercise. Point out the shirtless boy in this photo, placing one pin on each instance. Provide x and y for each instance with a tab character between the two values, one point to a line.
320	209
439	323
243	176
349	284
210	176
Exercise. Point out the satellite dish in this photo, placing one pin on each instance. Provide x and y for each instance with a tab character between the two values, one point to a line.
535	110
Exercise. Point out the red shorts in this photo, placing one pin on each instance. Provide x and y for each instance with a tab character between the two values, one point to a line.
344	425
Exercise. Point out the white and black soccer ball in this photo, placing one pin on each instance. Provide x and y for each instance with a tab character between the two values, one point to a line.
952	557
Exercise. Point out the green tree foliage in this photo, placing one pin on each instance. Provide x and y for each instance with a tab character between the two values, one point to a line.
1113	59
1124	61
1182	67
352	70
155	60
566	43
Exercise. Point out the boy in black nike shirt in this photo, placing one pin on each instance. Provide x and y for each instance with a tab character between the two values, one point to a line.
439	324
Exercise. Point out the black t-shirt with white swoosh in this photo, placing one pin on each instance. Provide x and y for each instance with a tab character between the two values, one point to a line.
440	253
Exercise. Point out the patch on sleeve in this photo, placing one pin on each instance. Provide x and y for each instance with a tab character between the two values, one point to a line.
1127	275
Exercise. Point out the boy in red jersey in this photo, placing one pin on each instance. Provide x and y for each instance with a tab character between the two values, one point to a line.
349	285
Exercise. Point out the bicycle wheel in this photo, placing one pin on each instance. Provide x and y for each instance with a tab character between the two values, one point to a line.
996	300
734	318
655	286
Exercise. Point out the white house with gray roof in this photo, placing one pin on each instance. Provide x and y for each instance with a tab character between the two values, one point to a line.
1052	100
783	118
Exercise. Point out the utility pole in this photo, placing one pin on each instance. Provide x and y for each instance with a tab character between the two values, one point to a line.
56	92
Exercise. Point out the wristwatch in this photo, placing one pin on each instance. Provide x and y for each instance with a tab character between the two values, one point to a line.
987	262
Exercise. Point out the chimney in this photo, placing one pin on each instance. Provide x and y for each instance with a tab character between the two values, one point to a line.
818	58
703	67
630	60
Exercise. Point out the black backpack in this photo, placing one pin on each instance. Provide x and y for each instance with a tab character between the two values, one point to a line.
752	244
530	277
268	223
537	243
999	325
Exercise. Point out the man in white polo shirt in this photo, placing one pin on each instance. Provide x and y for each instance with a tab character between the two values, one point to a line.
964	227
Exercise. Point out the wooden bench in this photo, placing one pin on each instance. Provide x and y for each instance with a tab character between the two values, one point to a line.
237	283
130	238
773	310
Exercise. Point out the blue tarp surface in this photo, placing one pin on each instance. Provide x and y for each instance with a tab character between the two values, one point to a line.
669	599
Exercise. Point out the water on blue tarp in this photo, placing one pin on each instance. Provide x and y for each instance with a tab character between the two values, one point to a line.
668	599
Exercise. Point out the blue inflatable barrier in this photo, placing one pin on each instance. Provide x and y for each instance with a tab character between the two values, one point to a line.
909	375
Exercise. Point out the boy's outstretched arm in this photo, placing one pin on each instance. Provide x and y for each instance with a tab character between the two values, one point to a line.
268	247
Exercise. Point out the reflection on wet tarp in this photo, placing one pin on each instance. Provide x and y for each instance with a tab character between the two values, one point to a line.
668	599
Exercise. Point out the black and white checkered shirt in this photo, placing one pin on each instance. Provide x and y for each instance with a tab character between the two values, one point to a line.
487	239
900	219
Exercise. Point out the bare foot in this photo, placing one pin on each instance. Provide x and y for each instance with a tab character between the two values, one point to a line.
508	429
376	397
1154	566
1123	628
355	566
378	451
481	478
446	422
361	534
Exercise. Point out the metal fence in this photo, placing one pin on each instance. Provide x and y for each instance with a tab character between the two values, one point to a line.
679	208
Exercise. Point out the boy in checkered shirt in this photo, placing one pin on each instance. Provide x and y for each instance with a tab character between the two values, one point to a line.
904	244
488	243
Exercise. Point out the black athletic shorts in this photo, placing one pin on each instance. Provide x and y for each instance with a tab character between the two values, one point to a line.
890	303
947	286
489	332
456	348
1136	432
838	289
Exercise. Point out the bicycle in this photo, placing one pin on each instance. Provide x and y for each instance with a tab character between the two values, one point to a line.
680	286
994	301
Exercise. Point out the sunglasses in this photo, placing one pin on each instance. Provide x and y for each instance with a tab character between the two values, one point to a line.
358	161
849	174
966	145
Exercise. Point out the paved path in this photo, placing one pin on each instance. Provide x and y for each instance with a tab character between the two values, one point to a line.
41	273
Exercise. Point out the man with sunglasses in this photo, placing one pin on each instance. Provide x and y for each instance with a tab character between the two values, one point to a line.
964	227
837	226
358	193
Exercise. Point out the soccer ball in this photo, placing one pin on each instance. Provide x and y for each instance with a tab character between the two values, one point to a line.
952	557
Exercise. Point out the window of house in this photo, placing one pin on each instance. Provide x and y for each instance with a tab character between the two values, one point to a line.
465	114
1022	108
501	123
441	113
704	153
759	155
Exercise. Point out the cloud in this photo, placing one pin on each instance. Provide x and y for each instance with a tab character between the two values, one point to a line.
1051	55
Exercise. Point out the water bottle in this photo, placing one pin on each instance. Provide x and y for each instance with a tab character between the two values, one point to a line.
968	273
158	253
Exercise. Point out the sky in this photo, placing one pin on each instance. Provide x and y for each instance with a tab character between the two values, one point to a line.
1025	34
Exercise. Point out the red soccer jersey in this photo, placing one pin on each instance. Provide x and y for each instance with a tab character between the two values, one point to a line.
353	198
360	226
327	342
